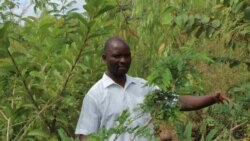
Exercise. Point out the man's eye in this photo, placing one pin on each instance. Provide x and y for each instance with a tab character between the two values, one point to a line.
127	56
119	56
116	56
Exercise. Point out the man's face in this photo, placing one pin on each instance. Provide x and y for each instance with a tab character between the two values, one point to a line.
118	60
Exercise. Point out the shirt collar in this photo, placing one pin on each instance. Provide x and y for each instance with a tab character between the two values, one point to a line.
107	81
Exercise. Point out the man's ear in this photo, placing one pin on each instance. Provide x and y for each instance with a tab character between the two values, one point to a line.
104	57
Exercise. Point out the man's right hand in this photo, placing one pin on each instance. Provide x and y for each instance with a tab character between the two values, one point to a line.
83	138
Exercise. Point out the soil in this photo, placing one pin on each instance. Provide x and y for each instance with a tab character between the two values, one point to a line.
167	133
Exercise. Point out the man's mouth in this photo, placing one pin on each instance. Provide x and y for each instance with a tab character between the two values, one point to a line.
122	68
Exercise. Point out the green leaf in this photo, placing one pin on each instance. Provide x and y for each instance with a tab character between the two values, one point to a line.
152	77
211	135
29	20
188	132
6	65
104	9
166	78
38	133
64	136
216	23
80	17
90	7
190	23
239	7
36	74
3	53
22	111
205	19
46	21
181	20
102	31
3	29
247	13
167	16
4	41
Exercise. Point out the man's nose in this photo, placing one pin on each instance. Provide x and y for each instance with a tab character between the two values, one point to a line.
123	59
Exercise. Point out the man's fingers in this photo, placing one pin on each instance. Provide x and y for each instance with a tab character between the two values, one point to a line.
222	98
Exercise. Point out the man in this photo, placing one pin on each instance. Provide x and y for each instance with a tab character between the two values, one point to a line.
117	91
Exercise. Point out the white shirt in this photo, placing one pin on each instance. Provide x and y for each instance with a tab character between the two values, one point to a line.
106	100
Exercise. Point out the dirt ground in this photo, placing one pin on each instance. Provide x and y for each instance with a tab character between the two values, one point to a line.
167	133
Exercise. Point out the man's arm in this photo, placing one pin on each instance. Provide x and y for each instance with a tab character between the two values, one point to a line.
189	103
83	137
88	121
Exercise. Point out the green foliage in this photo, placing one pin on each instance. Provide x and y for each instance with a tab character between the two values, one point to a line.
64	136
177	72
166	101
38	74
123	125
211	135
242	90
188	131
4	37
48	62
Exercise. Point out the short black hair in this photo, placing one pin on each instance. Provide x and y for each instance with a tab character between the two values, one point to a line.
113	41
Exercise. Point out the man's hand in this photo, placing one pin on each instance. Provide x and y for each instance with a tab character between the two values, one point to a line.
219	98
83	138
189	102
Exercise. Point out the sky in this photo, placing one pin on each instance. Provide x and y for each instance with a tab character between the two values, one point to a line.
26	7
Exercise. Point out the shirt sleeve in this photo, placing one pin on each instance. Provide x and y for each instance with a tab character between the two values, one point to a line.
89	120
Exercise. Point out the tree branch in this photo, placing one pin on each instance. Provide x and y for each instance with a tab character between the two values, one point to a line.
26	87
8	125
238	126
25	128
79	55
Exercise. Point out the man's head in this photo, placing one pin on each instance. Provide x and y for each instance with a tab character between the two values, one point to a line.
117	56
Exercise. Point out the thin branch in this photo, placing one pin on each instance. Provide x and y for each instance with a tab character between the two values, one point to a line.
79	55
26	87
232	129
13	92
8	125
4	116
25	128
238	126
126	20
8	130
19	123
145	125
74	65
23	80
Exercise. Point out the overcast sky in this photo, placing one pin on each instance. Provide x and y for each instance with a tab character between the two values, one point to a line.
27	9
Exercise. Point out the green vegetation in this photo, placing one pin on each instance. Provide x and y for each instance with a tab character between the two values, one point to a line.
48	63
